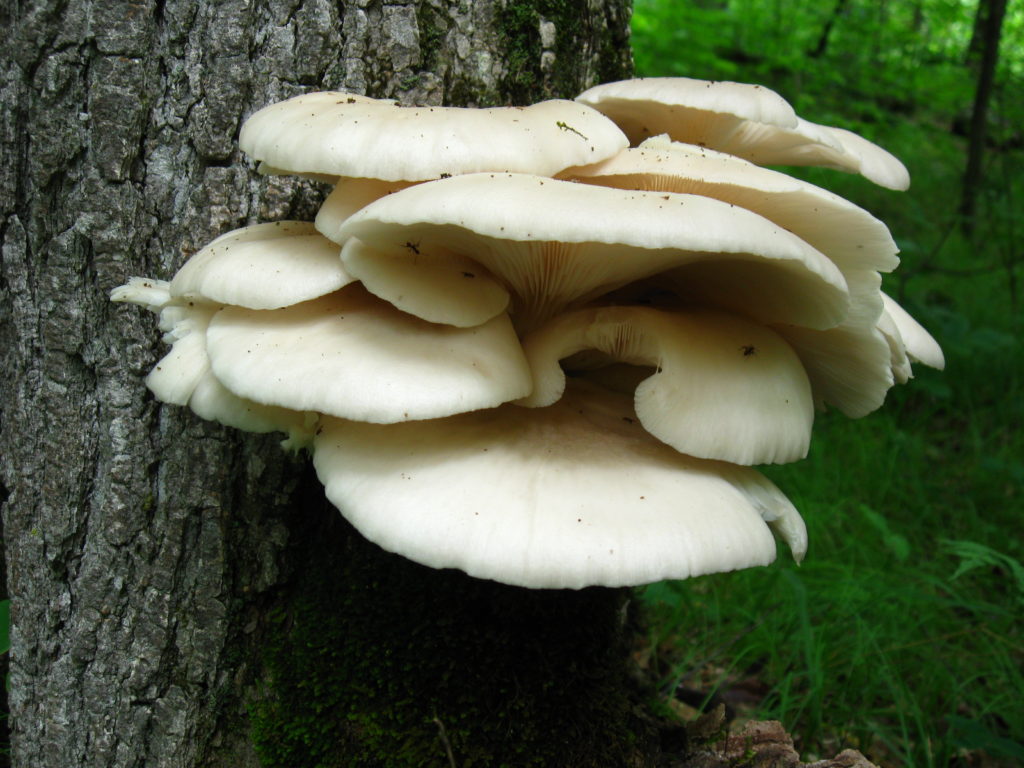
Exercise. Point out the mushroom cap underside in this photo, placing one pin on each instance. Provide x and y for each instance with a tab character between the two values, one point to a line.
572	495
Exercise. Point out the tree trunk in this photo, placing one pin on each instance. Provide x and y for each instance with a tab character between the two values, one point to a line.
989	24
838	10
181	593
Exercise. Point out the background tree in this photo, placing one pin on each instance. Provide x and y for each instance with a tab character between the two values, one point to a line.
983	57
915	510
155	561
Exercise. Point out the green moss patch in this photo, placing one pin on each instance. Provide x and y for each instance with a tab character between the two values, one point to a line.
377	661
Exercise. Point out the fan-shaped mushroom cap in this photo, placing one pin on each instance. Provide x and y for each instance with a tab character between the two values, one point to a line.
704	109
183	376
151	294
568	496
873	163
847	234
348	196
849	366
553	243
441	287
740	124
176	376
351	355
330	133
821	145
724	388
919	344
212	401
265	266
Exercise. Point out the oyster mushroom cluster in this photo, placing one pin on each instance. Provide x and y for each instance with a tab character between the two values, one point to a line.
545	345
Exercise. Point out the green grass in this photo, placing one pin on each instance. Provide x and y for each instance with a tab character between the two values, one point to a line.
901	634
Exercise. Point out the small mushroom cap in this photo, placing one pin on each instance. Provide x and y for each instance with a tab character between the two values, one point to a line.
327	133
265	266
850	236
351	355
555	243
919	344
723	387
743	121
849	366
348	196
440	288
212	401
151	294
183	376
573	495
708	109
176	376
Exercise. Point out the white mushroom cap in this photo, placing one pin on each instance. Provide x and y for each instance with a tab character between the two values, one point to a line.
873	163
151	294
568	496
821	145
212	401
919	344
351	355
723	387
708	109
747	123
555	243
176	376
850	236
283	111
183	376
348	196
328	133
264	266
849	366
438	287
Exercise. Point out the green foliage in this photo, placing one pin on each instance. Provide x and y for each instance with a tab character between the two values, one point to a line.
900	634
974	556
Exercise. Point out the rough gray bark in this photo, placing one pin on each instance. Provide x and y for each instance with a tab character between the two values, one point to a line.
143	546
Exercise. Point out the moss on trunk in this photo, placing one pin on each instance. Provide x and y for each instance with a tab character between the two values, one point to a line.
399	668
